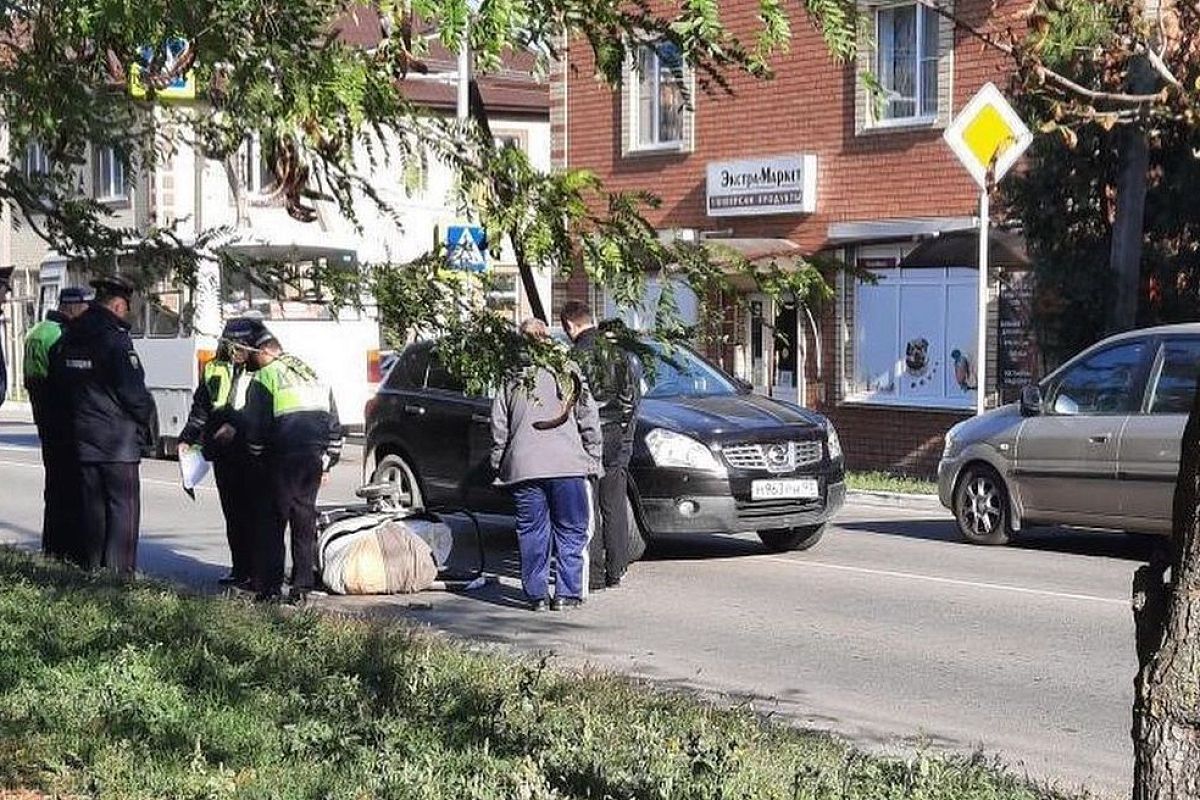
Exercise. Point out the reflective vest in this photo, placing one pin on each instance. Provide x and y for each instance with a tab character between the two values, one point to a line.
218	377
38	341
293	386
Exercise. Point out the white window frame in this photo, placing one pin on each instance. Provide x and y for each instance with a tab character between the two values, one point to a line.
943	277
250	156
635	144
511	137
924	14
112	183
36	160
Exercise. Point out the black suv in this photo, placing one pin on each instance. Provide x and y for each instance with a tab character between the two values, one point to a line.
708	457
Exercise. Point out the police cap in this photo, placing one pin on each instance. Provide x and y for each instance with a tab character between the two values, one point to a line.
75	294
243	331
113	286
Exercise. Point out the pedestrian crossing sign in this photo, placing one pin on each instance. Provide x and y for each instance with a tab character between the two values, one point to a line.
466	247
988	136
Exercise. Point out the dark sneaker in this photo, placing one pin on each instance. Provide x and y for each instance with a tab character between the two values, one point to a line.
563	603
230	580
271	597
539	605
613	582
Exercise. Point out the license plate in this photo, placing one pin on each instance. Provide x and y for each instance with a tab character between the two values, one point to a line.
791	489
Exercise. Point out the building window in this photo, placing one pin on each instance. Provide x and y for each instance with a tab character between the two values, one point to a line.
257	176
914	338
906	61
517	139
658	99
37	160
110	175
905	70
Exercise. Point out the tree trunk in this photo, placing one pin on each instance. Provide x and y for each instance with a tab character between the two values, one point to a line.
478	112
1125	256
1166	709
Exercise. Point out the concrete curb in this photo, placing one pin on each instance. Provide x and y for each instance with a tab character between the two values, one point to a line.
922	502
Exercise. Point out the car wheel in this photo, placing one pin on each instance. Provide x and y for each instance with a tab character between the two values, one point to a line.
637	540
394	471
981	506
781	540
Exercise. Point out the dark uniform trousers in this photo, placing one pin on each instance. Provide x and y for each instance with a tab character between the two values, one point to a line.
295	479
112	511
608	553
61	495
239	479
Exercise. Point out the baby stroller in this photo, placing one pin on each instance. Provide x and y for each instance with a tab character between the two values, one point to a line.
381	547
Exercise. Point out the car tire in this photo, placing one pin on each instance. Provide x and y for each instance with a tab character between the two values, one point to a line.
981	506
395	470
782	540
637	540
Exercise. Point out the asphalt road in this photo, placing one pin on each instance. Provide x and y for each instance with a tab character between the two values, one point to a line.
889	632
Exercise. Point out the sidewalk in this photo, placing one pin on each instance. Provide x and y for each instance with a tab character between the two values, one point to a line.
16	411
910	500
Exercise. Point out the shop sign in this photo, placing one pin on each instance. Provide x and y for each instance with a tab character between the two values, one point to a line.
784	184
1019	358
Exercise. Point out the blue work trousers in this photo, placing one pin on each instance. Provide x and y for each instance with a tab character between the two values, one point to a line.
554	517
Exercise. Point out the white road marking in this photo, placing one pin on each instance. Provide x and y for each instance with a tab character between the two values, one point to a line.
912	576
151	481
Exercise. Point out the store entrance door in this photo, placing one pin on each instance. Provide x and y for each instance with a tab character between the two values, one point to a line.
774	362
786	377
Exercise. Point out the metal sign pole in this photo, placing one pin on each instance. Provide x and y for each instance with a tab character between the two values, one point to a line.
982	326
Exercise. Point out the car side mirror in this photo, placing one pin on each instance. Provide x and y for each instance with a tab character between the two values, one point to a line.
743	386
1031	400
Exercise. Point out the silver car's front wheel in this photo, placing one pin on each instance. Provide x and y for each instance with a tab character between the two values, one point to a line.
981	506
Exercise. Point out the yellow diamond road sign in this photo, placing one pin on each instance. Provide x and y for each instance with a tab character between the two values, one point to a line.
987	136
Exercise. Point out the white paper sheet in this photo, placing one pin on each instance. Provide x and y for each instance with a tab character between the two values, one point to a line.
193	469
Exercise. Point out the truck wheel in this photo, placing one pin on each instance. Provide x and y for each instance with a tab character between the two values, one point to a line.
781	540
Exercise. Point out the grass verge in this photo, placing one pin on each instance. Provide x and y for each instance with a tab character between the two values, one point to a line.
887	482
135	691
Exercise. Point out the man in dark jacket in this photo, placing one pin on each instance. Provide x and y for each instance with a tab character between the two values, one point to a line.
615	379
51	415
292	426
216	424
99	374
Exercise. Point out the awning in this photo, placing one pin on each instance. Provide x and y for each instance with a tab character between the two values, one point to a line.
296	244
754	249
961	249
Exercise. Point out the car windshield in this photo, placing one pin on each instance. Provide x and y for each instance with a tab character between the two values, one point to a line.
679	372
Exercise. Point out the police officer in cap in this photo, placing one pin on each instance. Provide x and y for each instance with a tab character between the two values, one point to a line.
101	377
292	425
52	418
216	423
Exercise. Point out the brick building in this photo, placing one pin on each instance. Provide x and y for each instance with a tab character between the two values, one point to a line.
846	175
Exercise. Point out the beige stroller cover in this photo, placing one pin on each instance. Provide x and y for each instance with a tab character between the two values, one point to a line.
380	554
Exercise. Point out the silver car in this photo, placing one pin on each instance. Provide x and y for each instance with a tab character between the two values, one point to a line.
1095	444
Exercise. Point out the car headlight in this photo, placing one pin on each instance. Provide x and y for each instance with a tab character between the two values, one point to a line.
670	449
833	442
948	449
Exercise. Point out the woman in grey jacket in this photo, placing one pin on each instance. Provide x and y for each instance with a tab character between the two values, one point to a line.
546	463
